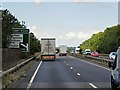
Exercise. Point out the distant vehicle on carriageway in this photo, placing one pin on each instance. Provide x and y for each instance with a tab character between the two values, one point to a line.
112	55
48	49
87	52
62	50
95	54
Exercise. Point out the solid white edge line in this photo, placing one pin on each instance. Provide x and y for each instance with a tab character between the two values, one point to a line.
31	81
92	85
92	64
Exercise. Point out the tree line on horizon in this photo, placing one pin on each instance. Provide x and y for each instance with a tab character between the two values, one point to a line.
103	42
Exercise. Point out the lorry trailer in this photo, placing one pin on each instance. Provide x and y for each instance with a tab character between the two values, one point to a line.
48	49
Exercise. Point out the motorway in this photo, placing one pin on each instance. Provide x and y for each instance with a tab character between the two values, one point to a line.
65	72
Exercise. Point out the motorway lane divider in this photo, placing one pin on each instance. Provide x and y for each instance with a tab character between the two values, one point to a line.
97	60
10	73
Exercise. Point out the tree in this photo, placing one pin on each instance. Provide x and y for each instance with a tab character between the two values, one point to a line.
34	44
8	22
104	42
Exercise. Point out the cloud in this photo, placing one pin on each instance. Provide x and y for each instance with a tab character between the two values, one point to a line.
84	0
16	0
38	1
70	35
72	38
79	35
60	37
83	35
33	27
39	32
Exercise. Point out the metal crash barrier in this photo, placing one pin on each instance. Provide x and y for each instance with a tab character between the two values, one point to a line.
11	71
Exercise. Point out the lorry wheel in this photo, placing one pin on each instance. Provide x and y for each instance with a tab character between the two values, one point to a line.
113	85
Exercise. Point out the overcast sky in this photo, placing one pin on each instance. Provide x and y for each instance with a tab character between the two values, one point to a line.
70	23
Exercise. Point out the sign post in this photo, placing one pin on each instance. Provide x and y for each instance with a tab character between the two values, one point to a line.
20	39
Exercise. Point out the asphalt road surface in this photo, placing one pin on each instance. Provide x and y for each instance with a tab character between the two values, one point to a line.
65	72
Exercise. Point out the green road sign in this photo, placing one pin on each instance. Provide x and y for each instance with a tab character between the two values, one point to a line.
20	39
20	31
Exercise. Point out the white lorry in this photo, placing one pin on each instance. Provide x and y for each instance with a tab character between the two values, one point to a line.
62	50
115	74
48	49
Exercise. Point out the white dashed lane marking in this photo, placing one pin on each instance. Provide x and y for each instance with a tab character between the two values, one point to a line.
78	74
90	63
92	85
71	67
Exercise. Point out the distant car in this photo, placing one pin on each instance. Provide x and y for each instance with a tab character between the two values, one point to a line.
112	55
87	52
95	54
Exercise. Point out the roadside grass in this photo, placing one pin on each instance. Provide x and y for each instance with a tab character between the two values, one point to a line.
8	80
